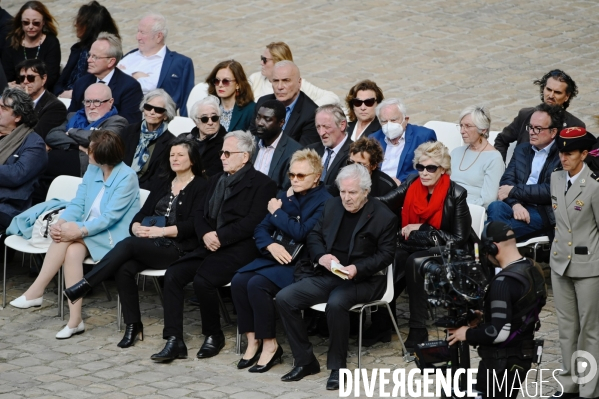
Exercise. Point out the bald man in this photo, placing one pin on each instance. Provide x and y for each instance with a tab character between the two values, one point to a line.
299	108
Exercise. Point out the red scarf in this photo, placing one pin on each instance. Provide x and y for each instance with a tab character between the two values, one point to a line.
416	209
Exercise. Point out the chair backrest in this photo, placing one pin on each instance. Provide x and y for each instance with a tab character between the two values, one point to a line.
181	124
197	93
493	135
510	152
388	296
447	133
143	196
64	188
65	101
478	215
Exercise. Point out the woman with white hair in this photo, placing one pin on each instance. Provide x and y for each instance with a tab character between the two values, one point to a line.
208	132
477	166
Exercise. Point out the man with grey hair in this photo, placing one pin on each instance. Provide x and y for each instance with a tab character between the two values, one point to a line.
358	234
235	203
104	55
399	138
299	108
155	66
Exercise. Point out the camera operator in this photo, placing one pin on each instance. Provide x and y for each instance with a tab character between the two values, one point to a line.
516	293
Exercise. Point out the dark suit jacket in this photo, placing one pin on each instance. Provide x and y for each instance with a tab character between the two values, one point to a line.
300	125
242	117
381	183
51	112
177	78
374	126
279	165
516	131
339	162
373	242
131	138
209	150
126	92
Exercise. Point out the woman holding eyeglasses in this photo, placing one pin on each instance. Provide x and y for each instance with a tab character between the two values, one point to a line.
428	203
293	214
147	141
361	102
209	133
477	166
227	81
33	35
260	81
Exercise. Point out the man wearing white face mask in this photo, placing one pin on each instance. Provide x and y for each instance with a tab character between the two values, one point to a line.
399	139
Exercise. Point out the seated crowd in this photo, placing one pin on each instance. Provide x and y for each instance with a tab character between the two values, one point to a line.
274	186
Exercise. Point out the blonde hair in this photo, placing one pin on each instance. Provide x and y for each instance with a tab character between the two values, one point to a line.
436	151
310	156
279	51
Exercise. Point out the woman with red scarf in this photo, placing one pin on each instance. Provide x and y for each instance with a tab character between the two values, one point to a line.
428	201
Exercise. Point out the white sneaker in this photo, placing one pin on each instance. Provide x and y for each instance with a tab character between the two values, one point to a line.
22	303
68	332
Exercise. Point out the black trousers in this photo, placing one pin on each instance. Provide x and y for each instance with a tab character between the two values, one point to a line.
253	296
4	222
515	368
129	257
340	295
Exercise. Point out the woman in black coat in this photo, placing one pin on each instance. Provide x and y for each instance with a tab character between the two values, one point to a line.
162	232
209	133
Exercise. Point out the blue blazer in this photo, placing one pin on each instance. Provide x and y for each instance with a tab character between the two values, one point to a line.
119	204
309	208
177	78
415	135
126	92
242	116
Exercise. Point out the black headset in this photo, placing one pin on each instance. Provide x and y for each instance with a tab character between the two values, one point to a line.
488	244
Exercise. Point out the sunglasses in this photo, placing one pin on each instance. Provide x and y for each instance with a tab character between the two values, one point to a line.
429	168
213	118
227	154
264	59
351	162
37	24
158	110
369	102
225	82
29	78
299	176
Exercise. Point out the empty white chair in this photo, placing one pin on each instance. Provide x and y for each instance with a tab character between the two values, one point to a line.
180	125
478	215
65	101
197	93
447	133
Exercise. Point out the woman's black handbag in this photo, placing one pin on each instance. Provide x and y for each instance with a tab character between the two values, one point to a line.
292	247
154	221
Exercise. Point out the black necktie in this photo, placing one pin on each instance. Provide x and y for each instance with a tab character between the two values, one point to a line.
569	185
326	164
101	81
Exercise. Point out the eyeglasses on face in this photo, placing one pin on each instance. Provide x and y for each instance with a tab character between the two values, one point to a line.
264	59
158	110
429	168
213	118
29	78
298	176
465	127
227	154
369	102
351	162
536	129
37	24
226	82
95	103
96	57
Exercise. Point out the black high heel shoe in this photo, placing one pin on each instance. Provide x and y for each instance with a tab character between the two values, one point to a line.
77	291
131	332
278	357
245	363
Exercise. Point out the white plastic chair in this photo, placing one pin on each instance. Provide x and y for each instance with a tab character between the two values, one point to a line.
478	214
199	92
385	300
535	243
510	152
65	101
180	125
447	133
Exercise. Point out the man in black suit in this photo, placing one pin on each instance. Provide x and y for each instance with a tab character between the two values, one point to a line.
334	143
359	233
274	147
236	202
104	55
51	112
299	108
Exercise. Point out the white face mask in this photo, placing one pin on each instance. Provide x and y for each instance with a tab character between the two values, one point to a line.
393	130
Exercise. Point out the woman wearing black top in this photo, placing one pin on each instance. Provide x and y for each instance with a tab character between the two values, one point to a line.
208	133
153	247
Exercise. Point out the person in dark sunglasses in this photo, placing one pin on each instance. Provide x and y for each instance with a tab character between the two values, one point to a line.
361	102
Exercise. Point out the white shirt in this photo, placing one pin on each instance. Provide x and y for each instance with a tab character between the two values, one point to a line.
264	157
152	65
38	99
575	177
334	153
354	135
538	162
392	155
94	211
106	78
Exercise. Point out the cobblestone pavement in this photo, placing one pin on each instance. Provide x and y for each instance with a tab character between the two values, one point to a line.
439	56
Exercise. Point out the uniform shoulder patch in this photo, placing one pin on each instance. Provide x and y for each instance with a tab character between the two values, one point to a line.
594	176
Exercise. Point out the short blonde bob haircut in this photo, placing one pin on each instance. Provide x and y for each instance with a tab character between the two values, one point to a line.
310	156
437	152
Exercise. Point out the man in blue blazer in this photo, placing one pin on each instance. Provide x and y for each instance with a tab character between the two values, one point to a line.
155	66
399	139
104	55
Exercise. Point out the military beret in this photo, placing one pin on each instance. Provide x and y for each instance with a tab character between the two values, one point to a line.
575	138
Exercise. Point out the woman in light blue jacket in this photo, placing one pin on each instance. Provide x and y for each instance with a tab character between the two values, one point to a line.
92	224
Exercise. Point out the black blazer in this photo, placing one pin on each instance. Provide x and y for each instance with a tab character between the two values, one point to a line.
300	125
373	242
279	166
126	92
209	150
374	126
188	202
456	222
382	183
339	162
51	113
131	138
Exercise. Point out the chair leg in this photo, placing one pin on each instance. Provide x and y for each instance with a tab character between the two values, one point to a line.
60	294
406	355
238	343
119	313
4	280
534	254
223	310
158	289
108	296
360	341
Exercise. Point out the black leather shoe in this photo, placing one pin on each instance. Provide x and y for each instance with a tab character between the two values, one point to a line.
565	395
77	291
174	349
277	357
245	363
416	336
374	337
212	345
300	372
131	332
333	381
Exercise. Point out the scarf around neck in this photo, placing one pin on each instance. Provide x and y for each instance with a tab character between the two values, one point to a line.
79	120
142	153
13	141
222	191
417	209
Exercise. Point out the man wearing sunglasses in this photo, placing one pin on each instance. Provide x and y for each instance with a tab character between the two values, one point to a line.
155	66
557	88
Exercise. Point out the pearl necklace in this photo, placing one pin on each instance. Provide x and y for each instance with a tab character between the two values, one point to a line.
172	198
